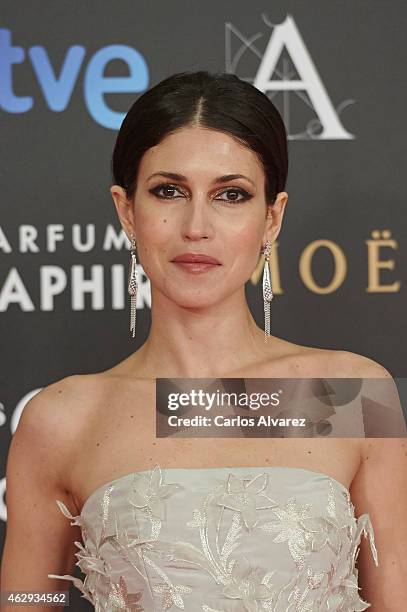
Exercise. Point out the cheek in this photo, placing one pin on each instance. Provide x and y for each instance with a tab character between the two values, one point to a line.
249	238
152	229
247	246
154	237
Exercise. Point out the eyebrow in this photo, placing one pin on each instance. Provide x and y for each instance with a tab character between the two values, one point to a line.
220	179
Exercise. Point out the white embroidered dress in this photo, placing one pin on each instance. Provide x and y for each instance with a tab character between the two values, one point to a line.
221	540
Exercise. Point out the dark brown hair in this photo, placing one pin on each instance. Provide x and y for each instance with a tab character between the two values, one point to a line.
218	101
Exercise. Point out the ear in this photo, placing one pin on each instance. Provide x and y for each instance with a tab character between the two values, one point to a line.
274	219
125	210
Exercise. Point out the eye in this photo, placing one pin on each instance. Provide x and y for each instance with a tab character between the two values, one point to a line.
168	189
235	193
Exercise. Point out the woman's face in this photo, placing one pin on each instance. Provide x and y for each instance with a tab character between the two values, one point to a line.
183	205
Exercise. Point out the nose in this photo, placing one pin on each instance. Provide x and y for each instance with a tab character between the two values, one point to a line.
197	222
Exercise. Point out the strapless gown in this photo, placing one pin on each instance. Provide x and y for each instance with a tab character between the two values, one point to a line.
232	539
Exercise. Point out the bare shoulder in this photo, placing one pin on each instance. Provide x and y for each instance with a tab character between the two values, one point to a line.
353	365
315	362
55	416
46	408
383	410
58	401
345	364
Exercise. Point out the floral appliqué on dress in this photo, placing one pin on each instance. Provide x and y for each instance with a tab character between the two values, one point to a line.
232	550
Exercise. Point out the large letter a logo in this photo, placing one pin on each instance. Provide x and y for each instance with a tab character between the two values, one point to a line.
287	35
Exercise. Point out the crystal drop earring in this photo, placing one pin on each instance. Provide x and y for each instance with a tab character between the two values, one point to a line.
267	292
133	286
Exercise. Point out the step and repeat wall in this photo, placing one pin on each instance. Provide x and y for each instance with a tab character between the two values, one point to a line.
68	74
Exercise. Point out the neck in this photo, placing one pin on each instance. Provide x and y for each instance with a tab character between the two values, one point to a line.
206	342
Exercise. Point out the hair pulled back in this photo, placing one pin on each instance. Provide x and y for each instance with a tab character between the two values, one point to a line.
218	101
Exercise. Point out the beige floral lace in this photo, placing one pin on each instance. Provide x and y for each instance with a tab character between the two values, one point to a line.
233	507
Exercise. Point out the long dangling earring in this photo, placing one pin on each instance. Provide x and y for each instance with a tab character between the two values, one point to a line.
267	292
133	286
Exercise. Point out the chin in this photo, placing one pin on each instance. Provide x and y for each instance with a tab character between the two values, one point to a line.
194	303
195	298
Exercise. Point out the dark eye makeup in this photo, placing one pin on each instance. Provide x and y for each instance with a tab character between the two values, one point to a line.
245	195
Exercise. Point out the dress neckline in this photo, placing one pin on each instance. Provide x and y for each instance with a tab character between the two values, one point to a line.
247	469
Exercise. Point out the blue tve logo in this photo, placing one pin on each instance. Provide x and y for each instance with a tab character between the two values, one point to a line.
57	90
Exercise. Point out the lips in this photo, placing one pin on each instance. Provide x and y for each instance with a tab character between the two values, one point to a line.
195	258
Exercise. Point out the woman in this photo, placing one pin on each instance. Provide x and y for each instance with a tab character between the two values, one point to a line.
199	169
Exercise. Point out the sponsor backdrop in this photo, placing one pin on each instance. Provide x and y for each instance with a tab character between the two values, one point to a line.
70	71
